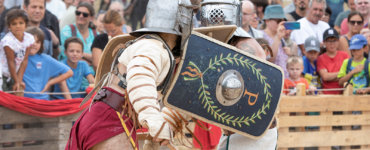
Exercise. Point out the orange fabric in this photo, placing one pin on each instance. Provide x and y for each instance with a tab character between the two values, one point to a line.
289	84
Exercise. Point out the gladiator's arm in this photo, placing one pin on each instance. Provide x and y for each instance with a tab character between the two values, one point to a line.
142	71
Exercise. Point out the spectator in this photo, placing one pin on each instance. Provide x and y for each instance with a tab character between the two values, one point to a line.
56	7
274	34
341	16
327	14
336	6
312	46
249	16
2	7
113	23
260	9
328	64
294	66
36	11
299	12
14	50
355	70
82	29
118	6
99	22
356	21
70	17
311	24
74	49
42	70
362	6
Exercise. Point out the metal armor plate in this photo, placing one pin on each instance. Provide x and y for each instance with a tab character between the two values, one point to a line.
222	85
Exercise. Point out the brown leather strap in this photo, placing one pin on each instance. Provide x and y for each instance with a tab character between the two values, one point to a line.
145	107
141	98
111	98
149	60
141	66
139	86
140	74
159	131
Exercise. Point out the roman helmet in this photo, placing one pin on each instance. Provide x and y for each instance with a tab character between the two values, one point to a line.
168	16
222	12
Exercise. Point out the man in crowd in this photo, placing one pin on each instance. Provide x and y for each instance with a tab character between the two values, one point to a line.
249	15
311	24
35	10
299	12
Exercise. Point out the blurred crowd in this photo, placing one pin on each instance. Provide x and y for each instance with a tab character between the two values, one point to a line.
55	45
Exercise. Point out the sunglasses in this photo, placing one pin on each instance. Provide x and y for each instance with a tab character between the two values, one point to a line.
356	22
78	13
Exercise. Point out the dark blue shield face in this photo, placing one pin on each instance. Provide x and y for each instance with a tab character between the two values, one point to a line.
218	84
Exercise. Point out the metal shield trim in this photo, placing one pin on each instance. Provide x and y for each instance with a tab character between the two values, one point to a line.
108	54
272	72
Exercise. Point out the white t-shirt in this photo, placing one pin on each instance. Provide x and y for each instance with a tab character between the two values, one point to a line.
56	7
309	29
18	47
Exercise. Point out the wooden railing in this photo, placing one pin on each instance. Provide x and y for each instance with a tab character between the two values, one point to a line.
335	126
296	128
20	131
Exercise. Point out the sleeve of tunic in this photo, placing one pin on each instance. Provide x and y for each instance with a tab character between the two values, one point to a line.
147	65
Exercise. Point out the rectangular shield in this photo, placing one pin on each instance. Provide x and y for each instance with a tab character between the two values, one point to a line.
222	85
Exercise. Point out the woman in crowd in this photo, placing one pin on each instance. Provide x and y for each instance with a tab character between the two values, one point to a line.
118	6
112	22
355	23
82	29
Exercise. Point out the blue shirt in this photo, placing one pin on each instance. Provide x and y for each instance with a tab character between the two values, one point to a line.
67	33
310	73
40	68
74	83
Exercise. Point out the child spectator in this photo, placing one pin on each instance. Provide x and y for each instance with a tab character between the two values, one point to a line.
295	67
43	71
329	63
14	49
312	47
356	69
74	52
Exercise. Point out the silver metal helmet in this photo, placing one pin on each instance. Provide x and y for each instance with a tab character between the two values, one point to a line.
167	16
222	12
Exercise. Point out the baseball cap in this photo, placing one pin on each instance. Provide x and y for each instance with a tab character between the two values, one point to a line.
357	41
312	44
331	32
274	12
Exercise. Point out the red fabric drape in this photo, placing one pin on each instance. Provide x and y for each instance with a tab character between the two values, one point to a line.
42	108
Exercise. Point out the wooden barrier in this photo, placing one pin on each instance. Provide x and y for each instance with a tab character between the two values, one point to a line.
33	133
334	130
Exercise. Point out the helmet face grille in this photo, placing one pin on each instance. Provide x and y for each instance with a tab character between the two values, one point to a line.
216	16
